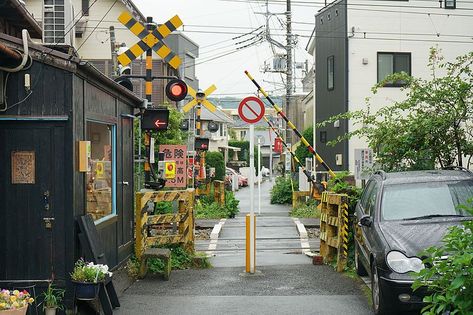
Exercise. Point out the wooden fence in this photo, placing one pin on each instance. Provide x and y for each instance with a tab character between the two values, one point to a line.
334	228
174	228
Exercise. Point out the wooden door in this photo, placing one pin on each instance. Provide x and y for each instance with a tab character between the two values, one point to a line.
32	194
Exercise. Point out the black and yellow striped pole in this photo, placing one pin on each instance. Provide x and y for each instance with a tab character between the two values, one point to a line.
291	125
149	63
148	93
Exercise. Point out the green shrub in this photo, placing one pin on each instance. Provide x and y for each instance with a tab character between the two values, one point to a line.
216	159
281	193
207	208
449	279
163	207
180	259
302	152
231	204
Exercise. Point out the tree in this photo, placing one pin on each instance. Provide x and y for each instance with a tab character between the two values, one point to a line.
216	159
302	152
431	126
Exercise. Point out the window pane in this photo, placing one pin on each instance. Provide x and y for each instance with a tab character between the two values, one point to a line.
450	4
420	199
330	73
402	63
99	176
385	66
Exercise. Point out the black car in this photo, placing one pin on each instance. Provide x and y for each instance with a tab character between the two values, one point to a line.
398	216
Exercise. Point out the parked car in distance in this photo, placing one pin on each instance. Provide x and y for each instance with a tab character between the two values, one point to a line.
398	216
242	180
265	171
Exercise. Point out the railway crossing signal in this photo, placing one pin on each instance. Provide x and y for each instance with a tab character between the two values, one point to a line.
176	90
200	98
150	40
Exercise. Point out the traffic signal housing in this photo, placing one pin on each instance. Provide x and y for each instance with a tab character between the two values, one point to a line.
155	119
176	90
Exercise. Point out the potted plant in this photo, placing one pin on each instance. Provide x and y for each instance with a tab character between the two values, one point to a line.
14	302
87	277
52	299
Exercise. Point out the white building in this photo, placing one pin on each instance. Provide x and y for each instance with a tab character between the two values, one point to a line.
358	42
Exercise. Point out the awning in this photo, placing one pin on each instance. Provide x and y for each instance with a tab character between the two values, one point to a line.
229	148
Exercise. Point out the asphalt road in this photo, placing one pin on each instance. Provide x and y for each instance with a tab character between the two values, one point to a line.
288	283
288	289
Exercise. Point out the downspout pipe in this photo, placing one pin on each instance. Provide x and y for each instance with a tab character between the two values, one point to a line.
17	55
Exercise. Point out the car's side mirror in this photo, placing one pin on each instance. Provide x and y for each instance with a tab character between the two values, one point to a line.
365	221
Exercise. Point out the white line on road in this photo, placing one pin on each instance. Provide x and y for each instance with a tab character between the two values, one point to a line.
305	246
214	237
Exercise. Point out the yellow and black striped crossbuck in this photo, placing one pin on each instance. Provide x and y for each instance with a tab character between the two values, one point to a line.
150	40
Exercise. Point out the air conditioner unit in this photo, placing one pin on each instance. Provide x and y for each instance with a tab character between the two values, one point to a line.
58	22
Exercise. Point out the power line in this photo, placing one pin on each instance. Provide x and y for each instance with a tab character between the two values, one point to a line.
323	5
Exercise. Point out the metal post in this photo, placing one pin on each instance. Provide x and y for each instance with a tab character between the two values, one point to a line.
114	51
259	176
149	64
252	198
289	62
314	117
270	156
200	131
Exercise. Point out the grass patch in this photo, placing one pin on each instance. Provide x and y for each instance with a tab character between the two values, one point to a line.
308	210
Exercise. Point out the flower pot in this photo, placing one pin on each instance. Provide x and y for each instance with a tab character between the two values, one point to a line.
86	290
50	311
19	311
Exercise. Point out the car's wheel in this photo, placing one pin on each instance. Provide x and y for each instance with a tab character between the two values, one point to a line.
360	269
380	304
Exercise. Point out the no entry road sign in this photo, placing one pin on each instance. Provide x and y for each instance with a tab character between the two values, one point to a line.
251	109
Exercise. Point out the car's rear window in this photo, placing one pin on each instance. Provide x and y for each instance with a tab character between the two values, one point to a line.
404	201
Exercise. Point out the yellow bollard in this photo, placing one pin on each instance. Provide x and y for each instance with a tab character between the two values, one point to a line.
248	256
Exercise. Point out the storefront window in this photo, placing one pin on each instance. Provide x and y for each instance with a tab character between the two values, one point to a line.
100	185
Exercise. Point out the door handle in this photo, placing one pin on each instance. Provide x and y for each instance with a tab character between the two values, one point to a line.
125	183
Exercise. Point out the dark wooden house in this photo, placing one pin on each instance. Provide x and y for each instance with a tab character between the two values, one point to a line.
66	149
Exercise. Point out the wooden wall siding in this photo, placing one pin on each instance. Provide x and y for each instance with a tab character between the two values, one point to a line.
50	88
98	102
27	245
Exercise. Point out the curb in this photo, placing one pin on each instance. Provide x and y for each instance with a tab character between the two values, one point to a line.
214	237
304	238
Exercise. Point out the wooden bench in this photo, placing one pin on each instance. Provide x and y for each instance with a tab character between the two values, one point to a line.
161	253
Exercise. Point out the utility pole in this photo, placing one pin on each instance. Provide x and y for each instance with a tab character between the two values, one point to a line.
289	79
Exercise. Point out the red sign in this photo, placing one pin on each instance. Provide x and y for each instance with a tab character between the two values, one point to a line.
176	153
277	145
251	109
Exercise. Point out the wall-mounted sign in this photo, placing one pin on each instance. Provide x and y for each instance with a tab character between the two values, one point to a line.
177	154
23	167
363	163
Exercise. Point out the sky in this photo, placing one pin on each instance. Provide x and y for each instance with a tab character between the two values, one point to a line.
220	26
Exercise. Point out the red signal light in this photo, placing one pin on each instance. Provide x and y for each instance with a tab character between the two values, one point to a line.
176	90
